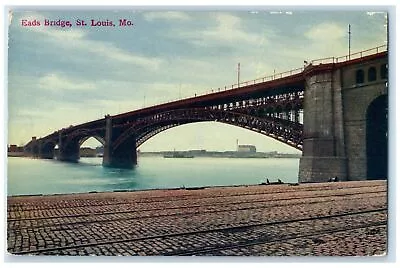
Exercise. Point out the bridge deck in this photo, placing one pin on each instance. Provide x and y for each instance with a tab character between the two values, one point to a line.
343	218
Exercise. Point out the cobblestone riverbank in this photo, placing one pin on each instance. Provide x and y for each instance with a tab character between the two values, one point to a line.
321	219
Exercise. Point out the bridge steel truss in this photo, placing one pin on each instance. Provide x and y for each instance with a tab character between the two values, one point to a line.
281	122
270	108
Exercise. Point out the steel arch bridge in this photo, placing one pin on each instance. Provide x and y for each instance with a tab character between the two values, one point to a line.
274	106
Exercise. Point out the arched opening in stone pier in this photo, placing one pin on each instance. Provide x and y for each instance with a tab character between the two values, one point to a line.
377	138
90	148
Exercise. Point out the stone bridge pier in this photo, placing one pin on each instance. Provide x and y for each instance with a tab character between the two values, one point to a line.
124	155
39	149
323	143
68	151
33	149
46	151
345	125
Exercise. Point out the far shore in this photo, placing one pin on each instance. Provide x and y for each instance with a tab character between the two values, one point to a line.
21	154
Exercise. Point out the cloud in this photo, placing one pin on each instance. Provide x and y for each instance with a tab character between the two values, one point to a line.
77	40
326	38
166	15
326	32
60	35
113	53
58	82
113	107
372	13
229	30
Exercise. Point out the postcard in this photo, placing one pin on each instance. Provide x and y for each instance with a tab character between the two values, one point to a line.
183	132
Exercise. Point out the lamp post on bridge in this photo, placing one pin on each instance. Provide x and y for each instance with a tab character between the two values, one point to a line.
349	39
238	74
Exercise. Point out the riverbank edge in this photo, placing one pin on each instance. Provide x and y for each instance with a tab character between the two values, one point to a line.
193	188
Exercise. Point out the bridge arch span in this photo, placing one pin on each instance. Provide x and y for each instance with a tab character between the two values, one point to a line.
285	131
70	143
97	137
158	130
146	136
47	149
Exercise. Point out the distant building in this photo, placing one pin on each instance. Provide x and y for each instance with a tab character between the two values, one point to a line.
99	149
14	148
201	151
87	152
246	149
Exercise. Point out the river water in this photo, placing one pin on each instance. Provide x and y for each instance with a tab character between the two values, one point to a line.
38	176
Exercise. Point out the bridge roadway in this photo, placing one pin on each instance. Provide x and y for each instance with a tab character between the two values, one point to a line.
318	219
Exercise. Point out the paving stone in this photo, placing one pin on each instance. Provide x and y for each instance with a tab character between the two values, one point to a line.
321	219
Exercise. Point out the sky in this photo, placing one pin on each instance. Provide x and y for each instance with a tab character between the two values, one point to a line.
61	76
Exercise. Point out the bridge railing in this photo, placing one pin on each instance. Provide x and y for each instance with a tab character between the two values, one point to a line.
327	60
247	83
356	55
256	81
363	53
268	78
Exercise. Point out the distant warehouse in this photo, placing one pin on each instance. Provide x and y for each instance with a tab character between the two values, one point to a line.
246	148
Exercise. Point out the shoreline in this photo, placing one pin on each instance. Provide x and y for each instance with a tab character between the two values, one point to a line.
190	188
279	156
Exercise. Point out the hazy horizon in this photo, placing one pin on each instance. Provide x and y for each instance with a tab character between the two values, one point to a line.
61	76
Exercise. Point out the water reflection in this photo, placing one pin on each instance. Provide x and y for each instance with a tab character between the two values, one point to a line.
36	176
